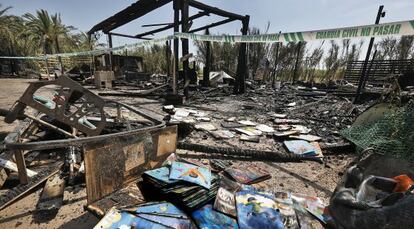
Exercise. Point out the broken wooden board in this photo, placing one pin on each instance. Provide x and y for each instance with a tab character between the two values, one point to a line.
25	129
123	198
21	189
52	194
113	163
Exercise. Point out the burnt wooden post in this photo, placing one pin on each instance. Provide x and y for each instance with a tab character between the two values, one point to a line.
241	74
176	6
295	71
185	42
167	57
275	66
207	67
363	76
110	53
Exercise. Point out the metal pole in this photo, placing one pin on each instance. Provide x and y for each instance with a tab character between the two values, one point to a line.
362	79
369	68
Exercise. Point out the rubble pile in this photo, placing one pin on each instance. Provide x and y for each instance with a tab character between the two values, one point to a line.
203	164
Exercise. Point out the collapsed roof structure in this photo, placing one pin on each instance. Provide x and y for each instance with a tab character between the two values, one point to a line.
183	19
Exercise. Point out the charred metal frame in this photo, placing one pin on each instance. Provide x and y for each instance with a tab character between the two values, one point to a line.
69	90
79	142
16	145
142	7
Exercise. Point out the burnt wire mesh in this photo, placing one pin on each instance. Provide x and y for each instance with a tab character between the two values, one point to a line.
392	134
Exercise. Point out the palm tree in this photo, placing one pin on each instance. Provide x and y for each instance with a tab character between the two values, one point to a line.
5	32
3	17
47	30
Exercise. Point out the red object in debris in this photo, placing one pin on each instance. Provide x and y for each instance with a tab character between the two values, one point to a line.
404	183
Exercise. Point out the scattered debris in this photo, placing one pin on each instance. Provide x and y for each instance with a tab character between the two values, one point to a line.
249	175
306	137
205	127
250	138
222	134
265	128
250	131
300	147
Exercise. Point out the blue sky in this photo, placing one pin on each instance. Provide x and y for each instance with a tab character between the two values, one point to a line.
283	15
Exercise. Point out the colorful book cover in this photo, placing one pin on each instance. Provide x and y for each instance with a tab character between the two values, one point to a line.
305	219
225	200
160	208
115	219
313	205
162	213
168	221
191	173
161	174
257	210
300	147
285	205
248	175
206	217
147	224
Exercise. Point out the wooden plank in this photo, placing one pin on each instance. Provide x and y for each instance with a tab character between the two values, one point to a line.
8	164
128	196
13	194
52	194
111	164
21	166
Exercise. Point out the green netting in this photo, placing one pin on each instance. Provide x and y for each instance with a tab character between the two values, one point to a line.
392	134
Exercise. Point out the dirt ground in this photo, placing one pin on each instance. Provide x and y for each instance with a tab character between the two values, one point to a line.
311	178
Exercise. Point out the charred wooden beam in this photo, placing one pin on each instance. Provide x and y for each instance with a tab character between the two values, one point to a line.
130	36
185	42
207	68
246	153
176	6
156	24
110	53
172	25
136	10
241	75
215	10
21	189
225	21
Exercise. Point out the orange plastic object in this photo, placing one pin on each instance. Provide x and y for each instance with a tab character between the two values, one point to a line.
404	183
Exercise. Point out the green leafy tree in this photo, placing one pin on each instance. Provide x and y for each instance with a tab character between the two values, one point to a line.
46	30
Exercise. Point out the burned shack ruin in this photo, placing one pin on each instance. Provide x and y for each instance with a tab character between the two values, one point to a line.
261	138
